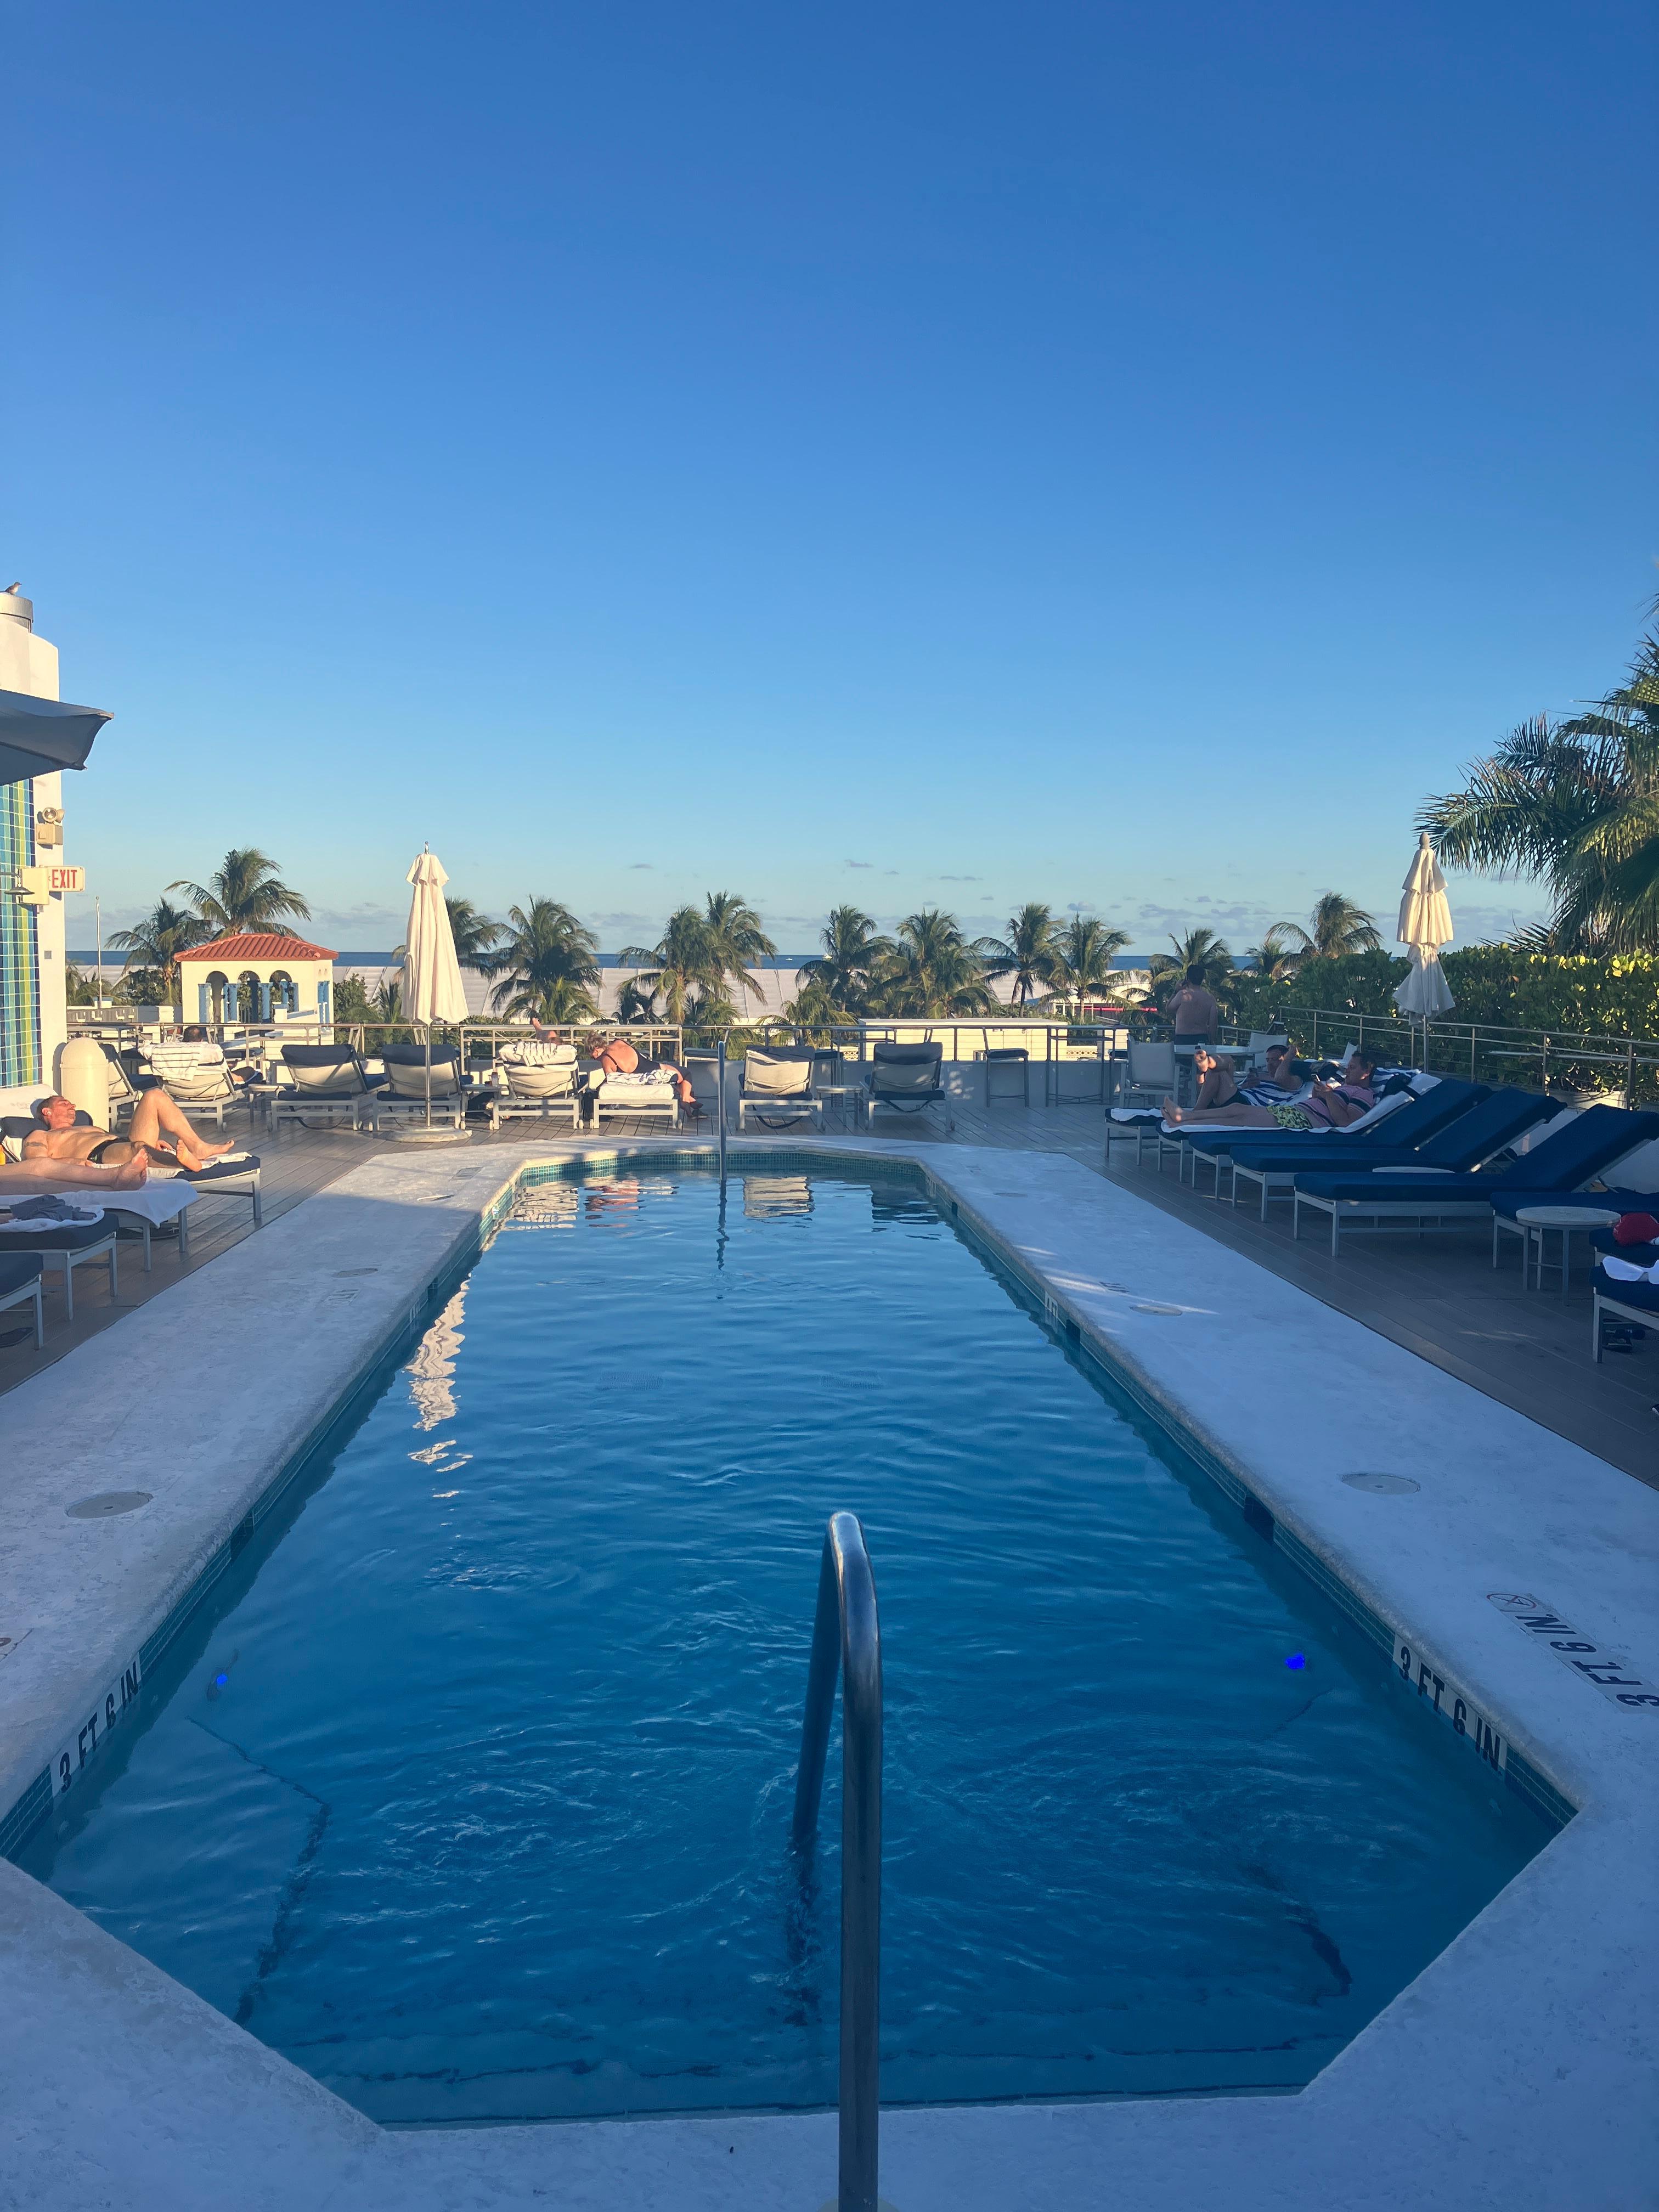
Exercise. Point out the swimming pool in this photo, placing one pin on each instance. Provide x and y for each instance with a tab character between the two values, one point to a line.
472	1796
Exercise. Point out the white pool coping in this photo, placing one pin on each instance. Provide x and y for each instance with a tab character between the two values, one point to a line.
1518	2067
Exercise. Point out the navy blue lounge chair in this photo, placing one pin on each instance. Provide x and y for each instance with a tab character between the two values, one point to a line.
20	1283
1636	1305
1458	1147
70	1248
1406	1127
1504	1223
1593	1141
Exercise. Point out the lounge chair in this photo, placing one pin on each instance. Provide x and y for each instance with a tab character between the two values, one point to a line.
1219	1144
404	1090
777	1090
20	1285
701	1071
322	1080
1634	1305
542	1088
648	1091
195	1076
1594	1202
71	1247
1459	1147
1592	1142
1189	1145
1149	1074
903	1078
139	1212
124	1092
1013	1060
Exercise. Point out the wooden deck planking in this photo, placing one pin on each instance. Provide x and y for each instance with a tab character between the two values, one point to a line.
1438	1296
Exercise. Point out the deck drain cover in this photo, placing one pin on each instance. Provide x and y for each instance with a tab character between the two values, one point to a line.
1385	1486
106	1502
1142	1307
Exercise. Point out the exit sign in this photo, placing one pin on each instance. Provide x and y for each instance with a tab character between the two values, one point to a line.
67	879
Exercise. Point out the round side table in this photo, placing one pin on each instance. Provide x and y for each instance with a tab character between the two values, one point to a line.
1537	1221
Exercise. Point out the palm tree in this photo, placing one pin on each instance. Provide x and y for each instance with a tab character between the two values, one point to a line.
1083	955
245	892
155	943
836	982
546	959
931	970
682	966
475	934
1200	948
564	1000
1341	926
1574	803
736	940
633	1004
1028	953
1276	958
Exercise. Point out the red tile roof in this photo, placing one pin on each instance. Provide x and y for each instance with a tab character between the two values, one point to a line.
258	944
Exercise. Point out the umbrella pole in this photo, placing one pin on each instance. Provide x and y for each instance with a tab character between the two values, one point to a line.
429	1075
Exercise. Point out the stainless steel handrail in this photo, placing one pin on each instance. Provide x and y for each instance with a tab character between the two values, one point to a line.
846	1638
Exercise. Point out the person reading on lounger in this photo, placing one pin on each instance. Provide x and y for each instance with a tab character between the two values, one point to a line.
159	1134
1324	1106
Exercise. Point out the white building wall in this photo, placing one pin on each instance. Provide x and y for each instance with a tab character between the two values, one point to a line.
30	664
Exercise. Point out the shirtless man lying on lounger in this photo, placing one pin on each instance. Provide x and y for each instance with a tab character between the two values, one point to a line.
43	1178
159	1133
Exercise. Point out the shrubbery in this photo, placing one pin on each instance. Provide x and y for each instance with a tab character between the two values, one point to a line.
1615	995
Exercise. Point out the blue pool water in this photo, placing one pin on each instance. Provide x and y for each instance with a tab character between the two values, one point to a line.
473	1796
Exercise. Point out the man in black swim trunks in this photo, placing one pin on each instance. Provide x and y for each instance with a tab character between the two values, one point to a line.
159	1133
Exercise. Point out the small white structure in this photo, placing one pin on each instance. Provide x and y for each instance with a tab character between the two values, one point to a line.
257	975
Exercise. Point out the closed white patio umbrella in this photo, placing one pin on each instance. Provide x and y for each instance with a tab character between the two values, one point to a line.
432	990
1425	926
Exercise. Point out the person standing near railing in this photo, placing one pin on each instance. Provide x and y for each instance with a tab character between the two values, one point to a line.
1194	1010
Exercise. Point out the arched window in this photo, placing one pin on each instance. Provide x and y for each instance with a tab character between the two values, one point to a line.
284	991
250	997
220	996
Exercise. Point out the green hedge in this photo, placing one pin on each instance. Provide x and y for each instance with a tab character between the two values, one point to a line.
1617	996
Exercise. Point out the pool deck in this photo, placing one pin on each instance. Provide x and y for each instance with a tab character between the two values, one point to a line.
1439	1297
1520	2066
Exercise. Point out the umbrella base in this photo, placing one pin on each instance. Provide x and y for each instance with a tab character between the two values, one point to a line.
416	1133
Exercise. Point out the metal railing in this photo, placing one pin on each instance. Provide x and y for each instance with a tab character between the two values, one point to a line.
1075	1055
847	1638
1584	1060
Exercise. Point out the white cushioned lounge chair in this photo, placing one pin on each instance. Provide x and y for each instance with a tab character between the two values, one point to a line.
535	1084
777	1090
650	1091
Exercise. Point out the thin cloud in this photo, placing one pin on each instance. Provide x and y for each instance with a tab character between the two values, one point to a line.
860	863
635	865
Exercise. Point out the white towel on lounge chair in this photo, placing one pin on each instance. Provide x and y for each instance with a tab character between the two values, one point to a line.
1626	1270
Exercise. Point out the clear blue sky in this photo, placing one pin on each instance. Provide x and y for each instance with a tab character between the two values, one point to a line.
1121	455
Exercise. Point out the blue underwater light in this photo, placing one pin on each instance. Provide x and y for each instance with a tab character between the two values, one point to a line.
1295	1661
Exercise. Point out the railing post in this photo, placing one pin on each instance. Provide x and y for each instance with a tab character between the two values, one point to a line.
847	1633
720	1075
